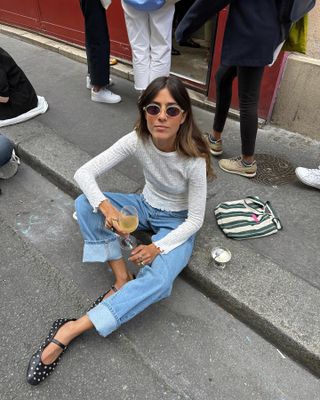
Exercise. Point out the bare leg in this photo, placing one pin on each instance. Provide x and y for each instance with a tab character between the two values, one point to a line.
121	273
72	329
97	88
216	135
248	159
65	335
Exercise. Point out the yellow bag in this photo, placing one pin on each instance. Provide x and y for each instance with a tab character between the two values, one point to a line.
297	39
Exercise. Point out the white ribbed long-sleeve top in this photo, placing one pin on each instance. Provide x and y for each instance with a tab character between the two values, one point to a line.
173	183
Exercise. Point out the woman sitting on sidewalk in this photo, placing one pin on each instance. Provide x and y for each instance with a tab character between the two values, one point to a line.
175	159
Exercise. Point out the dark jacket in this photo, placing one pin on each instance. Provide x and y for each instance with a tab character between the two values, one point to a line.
15	85
252	33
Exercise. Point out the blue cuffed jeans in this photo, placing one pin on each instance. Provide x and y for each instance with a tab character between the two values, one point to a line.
153	282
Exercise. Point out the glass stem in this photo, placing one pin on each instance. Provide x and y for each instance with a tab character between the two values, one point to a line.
129	243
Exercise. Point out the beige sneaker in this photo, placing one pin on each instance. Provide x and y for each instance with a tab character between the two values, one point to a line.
236	166
215	147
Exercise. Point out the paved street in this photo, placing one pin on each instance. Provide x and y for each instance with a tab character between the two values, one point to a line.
186	347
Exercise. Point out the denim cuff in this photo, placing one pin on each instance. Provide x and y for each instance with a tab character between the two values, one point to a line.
103	319
101	251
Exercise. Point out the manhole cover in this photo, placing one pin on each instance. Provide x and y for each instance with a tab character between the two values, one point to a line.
273	170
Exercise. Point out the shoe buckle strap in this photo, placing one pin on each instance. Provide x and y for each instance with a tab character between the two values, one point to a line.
55	341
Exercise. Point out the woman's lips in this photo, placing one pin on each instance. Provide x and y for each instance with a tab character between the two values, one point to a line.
160	127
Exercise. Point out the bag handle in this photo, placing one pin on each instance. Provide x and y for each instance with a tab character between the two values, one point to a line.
255	200
266	209
275	219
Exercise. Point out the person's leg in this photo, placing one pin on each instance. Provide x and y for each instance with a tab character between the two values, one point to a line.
97	42
153	283
6	147
101	244
137	23
83	4
98	52
224	80
249	81
65	335
180	9
161	41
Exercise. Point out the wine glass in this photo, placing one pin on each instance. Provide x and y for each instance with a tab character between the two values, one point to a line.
128	222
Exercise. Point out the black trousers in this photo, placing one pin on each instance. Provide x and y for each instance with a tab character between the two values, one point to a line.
181	8
249	82
97	41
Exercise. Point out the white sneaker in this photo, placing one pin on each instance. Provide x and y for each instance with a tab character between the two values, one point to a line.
88	82
105	96
309	177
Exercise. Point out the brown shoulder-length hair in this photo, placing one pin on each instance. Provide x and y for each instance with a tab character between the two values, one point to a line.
189	141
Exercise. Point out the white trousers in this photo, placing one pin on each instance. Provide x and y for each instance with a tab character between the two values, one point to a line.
150	37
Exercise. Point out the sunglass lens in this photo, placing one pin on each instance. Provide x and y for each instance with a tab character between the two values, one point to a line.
173	111
153	109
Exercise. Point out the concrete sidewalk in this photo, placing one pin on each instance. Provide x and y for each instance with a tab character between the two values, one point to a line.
272	283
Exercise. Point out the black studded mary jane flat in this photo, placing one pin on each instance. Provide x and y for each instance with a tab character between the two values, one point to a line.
37	371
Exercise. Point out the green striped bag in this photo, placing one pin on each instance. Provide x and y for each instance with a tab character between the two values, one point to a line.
247	218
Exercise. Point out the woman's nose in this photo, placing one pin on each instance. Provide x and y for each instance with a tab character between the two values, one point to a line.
162	115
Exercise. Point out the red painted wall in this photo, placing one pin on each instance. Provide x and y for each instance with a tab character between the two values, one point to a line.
22	13
62	19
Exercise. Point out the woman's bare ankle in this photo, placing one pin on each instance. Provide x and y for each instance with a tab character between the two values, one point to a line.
119	283
216	135
122	280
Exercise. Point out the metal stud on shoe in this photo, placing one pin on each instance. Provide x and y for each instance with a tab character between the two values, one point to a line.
36	366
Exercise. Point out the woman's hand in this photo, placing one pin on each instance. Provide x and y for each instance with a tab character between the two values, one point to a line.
4	99
144	254
111	216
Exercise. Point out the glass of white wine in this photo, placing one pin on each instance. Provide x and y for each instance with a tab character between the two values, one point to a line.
128	222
